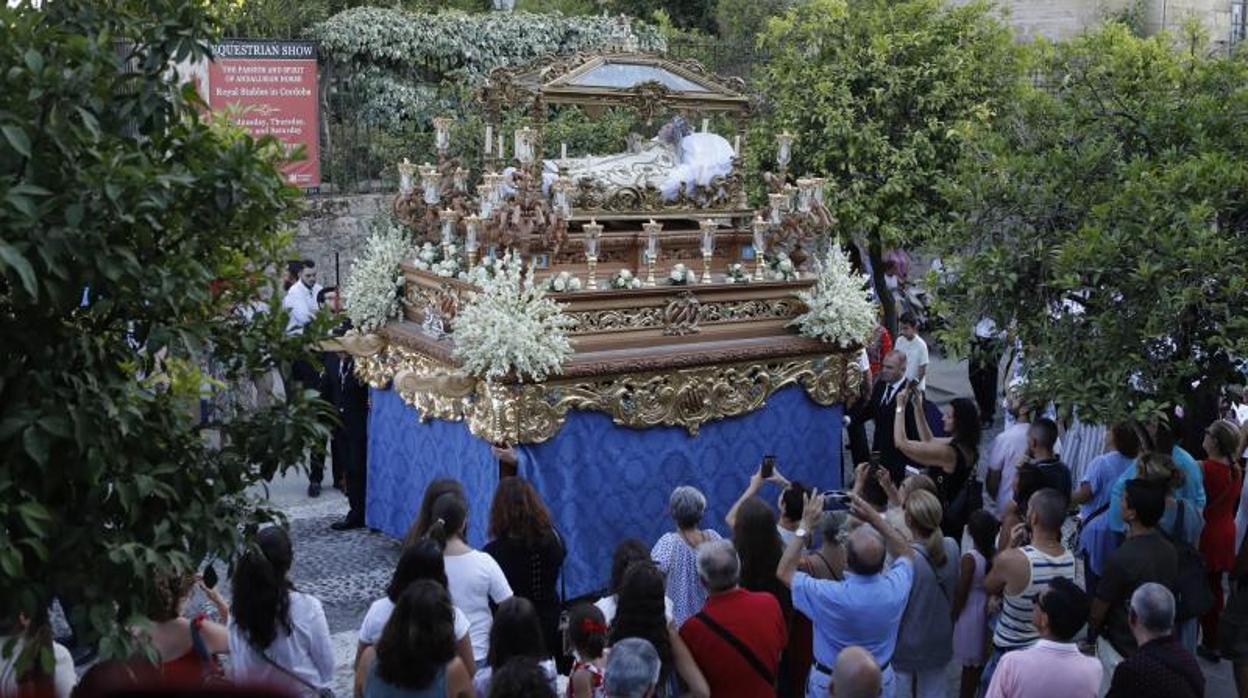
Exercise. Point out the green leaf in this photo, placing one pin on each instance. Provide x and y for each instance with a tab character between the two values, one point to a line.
14	259
36	444
35	517
17	138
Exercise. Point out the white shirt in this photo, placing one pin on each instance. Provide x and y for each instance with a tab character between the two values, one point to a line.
379	613
300	302
481	681
63	675
305	652
475	579
1007	449
916	356
609	604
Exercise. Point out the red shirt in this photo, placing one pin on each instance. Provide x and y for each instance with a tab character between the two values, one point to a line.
755	619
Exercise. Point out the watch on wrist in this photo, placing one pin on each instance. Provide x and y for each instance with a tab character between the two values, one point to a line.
801	532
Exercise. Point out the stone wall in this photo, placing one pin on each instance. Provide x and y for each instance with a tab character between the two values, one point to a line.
338	224
1062	19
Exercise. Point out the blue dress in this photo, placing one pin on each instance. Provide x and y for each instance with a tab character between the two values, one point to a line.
1098	538
376	687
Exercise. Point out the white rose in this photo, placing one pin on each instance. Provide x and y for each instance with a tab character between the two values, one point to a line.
574	284
560	284
786	265
636	283
626	274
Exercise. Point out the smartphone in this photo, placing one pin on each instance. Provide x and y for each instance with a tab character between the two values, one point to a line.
911	470
768	467
209	576
836	500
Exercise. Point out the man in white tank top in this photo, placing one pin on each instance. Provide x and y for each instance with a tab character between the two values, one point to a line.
1023	570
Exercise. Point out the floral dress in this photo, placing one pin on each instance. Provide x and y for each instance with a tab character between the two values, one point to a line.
679	562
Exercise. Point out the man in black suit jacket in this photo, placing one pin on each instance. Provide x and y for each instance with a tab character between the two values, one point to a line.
881	408
349	396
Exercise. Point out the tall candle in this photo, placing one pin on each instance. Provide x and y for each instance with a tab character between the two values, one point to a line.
706	124
736	145
563	151
489	138
501	154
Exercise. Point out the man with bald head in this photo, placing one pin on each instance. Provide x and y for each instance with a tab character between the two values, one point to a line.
881	408
865	608
740	633
856	674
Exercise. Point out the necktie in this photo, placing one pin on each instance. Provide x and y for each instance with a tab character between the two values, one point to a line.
888	394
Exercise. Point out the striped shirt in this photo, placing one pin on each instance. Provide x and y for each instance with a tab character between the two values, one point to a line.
1015	629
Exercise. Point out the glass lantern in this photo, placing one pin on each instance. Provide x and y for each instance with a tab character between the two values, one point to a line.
526	141
805	194
487	203
784	148
430	182
778	206
708	228
442	133
448	227
760	245
406	170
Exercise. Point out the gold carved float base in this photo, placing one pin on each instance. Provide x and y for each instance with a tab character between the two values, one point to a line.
513	413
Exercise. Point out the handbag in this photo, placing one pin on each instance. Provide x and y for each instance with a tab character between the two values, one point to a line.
320	692
1193	597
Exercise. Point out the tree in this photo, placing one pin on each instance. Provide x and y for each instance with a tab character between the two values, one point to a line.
1106	219
133	232
881	95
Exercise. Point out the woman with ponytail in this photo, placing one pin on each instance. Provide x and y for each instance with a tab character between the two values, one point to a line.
278	636
474	578
925	637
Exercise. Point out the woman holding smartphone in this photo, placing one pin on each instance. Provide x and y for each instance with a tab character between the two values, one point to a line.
949	461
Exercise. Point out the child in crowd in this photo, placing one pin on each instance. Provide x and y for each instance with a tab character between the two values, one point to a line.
586	636
970	602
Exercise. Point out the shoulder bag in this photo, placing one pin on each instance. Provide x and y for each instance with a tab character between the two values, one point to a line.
1193	597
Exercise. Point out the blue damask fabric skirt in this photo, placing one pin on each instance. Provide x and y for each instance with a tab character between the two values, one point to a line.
602	482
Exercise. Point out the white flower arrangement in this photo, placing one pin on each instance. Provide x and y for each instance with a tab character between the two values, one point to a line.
427	256
511	326
448	267
562	282
782	268
484	272
839	308
738	274
375	284
624	279
681	275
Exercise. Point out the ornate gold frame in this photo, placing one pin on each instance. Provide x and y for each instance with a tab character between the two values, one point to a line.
503	412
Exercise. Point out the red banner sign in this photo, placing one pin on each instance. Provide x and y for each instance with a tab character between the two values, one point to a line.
271	89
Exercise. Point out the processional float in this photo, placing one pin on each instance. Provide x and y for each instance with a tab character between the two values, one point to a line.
680	310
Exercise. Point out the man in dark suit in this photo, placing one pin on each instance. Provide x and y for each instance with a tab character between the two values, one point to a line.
881	408
349	445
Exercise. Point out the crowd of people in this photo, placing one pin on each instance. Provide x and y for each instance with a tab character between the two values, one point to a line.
948	568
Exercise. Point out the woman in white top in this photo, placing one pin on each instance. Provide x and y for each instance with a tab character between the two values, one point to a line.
33	681
473	577
626	553
278	636
421	560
